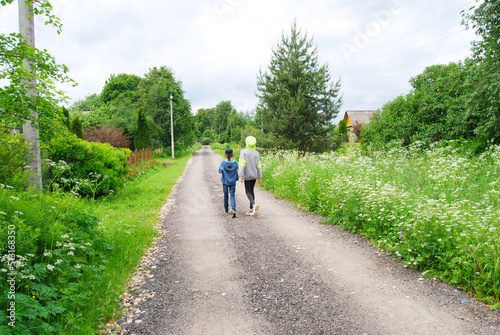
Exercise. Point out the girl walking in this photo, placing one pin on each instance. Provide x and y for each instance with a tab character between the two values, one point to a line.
250	171
229	170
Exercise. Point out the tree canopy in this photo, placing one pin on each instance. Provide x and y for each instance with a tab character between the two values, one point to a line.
155	90
16	103
122	85
483	100
433	110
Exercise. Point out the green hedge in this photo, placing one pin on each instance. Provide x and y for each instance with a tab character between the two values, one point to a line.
93	169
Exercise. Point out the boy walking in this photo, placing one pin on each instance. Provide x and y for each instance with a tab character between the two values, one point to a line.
250	172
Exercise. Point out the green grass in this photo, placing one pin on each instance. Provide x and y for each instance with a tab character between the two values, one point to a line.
130	219
437	209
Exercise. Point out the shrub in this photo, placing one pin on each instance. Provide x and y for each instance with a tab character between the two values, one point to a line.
13	152
94	168
114	136
142	139
206	141
77	128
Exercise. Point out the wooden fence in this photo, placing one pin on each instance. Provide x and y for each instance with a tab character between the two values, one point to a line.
139	156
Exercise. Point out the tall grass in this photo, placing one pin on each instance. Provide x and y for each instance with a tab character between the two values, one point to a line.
437	209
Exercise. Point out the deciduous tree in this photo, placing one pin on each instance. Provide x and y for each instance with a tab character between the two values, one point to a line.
28	95
16	104
155	91
483	100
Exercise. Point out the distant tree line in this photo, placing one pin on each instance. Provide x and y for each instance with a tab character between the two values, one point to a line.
140	108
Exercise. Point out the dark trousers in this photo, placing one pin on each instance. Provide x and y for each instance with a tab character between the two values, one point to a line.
249	186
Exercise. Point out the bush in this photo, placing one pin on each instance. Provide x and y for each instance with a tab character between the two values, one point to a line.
77	127
94	169
13	152
114	136
143	137
206	141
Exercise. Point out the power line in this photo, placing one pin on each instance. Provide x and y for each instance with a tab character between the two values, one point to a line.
407	45
427	25
426	60
405	54
372	62
420	61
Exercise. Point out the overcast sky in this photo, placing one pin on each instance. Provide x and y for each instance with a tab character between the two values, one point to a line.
216	47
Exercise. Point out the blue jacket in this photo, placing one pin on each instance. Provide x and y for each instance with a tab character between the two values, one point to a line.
229	175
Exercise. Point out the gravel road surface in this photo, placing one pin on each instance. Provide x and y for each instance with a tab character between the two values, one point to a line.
282	272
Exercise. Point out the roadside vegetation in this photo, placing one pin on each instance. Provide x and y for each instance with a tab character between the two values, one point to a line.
73	255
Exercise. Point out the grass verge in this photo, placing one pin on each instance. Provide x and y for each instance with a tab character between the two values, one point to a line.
130	219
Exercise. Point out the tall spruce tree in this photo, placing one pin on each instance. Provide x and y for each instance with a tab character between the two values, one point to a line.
297	97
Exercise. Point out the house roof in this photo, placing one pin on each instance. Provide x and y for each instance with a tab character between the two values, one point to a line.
358	116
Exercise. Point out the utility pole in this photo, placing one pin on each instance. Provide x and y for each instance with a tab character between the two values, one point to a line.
171	126
30	132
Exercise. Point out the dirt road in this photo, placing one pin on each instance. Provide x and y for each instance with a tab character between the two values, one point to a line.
281	273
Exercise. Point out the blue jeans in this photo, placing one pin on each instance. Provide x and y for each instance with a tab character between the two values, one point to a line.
229	191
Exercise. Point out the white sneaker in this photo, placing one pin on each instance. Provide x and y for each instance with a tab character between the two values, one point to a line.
233	214
255	210
251	211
